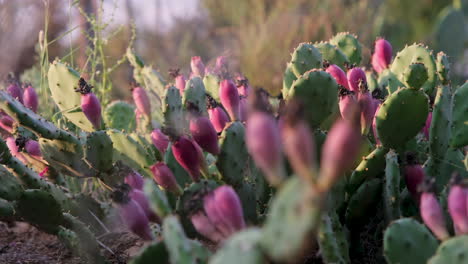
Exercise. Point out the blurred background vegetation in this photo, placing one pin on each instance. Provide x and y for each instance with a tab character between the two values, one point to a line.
256	35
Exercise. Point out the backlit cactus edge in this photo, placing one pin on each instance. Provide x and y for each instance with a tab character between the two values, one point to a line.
231	174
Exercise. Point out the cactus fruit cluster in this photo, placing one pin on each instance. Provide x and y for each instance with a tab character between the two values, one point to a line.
344	167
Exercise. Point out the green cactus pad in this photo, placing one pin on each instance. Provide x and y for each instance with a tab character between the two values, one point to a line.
452	251
157	198
408	242
363	202
416	53
195	93
98	151
232	157
66	157
317	90
415	75
401	117
304	58
120	115
450	29
172	109
370	167
333	245
40	209
31	120
372	83
332	54
181	249
460	117
443	68
440	125
148	255
80	240
443	168
7	211
242	247
389	82
288	78
391	191
290	207
211	83
10	188
146	142
349	45
131	152
63	81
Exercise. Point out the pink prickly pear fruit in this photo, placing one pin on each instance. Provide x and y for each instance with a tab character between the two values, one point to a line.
15	91
142	101
165	178
264	144
32	148
298	141
135	180
205	227
457	204
30	98
382	55
340	149
427	127
356	78
215	215
198	68
140	197
179	80
366	104
243	109
90	105
339	75
217	115
229	206
243	86
414	175
204	134
6	122
15	149
160	140
346	102
431	211
188	155
133	215
229	97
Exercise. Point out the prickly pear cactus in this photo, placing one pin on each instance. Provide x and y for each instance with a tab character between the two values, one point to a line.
460	118
332	54
181	249
452	251
362	201
63	81
349	45
293	205
154	251
98	151
242	247
370	167
120	115
157	198
172	109
449	40
408	242
415	76
401	117
318	91
7	211
391	191
10	189
333	244
443	68
211	83
440	126
288	78
416	53
389	82
195	93
304	58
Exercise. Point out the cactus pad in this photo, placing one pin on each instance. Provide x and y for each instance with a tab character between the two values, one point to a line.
332	241
148	255
440	125
172	109
304	58
157	198
319	91
242	247
370	167
391	191
288	78
408	242
401	117
10	189
98	151
450	29
443	68
211	83
332	54
363	202
195	93
349	45
416	53
120	115
415	76
460	117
